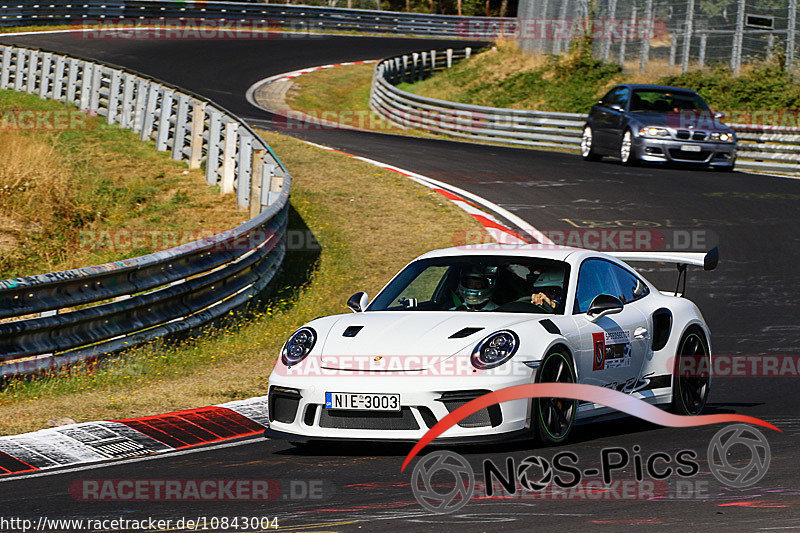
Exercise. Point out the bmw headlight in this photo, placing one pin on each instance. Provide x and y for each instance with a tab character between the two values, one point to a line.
495	349
654	132
722	136
298	346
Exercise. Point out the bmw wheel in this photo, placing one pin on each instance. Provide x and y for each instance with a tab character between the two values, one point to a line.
587	146
554	417
690	383
626	152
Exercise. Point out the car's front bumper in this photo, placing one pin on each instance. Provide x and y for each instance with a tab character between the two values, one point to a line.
710	153
298	413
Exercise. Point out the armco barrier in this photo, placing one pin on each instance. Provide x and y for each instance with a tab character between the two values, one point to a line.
761	147
132	301
273	16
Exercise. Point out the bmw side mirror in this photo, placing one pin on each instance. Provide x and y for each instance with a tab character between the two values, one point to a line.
358	302
719	114
602	305
616	107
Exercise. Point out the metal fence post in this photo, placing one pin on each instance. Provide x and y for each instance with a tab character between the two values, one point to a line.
791	34
72	80
140	104
149	112
433	62
623	43
44	79
404	72
701	59
212	151
610	23
414	61
267	194
256	181
244	166
113	97
467	52
95	83
33	71
196	139
736	55
5	72
181	119
164	114
673	45
86	85
648	17
58	79
19	71
687	36
229	157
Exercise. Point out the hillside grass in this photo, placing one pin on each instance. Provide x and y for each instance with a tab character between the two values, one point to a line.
364	241
74	189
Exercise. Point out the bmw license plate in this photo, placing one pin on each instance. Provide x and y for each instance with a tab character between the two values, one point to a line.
362	402
690	148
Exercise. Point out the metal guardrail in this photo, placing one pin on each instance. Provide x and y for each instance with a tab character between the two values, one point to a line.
272	16
761	147
50	320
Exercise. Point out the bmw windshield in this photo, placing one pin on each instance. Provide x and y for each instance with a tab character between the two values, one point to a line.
658	101
477	284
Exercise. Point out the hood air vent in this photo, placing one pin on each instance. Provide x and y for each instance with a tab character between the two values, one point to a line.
352	331
466	332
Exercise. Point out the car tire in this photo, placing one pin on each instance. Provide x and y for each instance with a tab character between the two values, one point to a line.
587	145
690	390
627	154
553	418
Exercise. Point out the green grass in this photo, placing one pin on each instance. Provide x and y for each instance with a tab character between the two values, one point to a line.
364	241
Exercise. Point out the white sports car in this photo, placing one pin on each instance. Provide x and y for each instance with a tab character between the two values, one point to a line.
455	324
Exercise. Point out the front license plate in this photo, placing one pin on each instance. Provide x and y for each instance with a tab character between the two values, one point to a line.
690	148
362	402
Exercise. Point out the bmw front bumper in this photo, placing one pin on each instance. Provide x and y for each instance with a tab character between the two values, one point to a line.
691	152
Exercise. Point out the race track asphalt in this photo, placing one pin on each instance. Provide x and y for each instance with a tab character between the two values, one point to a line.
749	303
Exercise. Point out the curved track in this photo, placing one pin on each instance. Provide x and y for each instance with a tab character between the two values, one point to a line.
749	303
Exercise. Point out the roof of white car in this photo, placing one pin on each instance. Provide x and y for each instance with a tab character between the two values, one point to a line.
546	251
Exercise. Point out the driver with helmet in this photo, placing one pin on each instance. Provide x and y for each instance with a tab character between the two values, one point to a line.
475	289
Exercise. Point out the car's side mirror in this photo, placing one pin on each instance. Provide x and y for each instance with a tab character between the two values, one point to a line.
719	114
602	305
358	302
616	107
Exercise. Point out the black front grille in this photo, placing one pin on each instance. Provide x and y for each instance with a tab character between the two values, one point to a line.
283	404
381	420
683	134
490	416
699	136
676	153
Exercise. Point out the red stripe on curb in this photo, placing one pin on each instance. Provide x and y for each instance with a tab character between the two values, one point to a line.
487	223
194	427
12	465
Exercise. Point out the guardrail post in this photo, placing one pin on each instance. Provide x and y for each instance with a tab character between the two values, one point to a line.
196	139
449	58
33	71
245	165
414	59
165	113
404	72
58	79
212	150
229	157
275	185
72	80
126	119
113	97
140	104
256	181
468	51
424	66
19	72
86	85
95	83
149	115
179	137
433	61
5	71
44	79
267	194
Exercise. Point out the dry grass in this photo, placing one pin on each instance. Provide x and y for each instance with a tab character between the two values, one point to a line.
365	239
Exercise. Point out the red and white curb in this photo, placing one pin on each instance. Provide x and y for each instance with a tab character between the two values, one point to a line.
94	442
295	73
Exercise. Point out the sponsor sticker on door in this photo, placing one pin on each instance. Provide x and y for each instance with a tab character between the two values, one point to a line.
612	349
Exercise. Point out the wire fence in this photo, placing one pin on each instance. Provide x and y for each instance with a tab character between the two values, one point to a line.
687	33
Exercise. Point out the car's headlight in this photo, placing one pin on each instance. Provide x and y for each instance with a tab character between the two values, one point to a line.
495	349
654	132
722	136
298	346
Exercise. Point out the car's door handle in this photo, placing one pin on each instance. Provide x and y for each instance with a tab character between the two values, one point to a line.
640	333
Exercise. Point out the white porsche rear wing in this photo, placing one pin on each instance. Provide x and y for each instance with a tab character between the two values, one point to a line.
708	261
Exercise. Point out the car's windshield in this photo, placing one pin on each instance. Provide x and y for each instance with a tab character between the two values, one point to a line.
660	101
478	284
